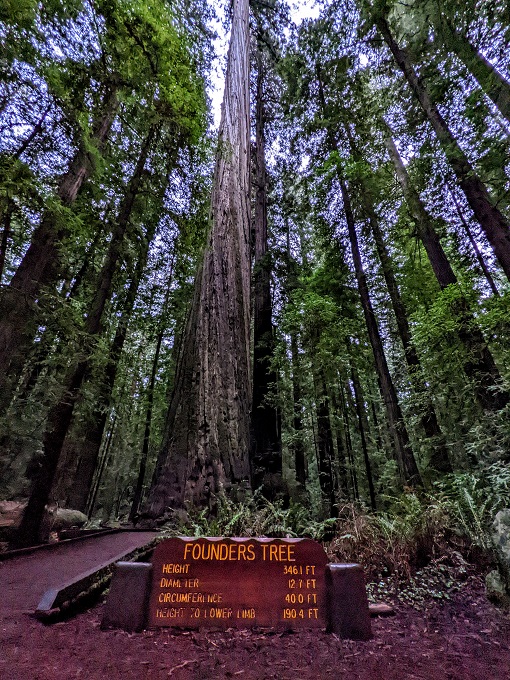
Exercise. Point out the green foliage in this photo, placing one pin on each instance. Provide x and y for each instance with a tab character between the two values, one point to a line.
400	542
254	516
150	52
438	327
473	499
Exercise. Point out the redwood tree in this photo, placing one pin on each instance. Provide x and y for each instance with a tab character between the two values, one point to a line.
206	444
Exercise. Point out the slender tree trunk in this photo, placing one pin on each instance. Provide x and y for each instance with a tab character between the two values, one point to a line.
40	265
325	450
495	86
440	457
297	419
60	415
137	497
297	446
405	457
6	235
408	469
75	282
474	244
479	364
344	401
36	130
82	448
10	207
81	454
493	223
363	428
103	462
206	445
266	458
342	464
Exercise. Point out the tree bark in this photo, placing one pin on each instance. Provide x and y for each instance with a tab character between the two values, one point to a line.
206	445
493	223
266	454
40	265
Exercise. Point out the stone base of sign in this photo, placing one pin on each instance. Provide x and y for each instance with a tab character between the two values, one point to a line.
127	602
348	615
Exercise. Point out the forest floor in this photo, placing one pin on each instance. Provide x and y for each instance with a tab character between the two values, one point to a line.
464	638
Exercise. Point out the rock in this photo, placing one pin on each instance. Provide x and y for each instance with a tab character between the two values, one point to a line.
501	534
380	609
498	581
11	513
63	518
496	589
56	519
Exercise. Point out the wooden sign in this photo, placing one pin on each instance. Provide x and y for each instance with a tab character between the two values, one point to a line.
237	582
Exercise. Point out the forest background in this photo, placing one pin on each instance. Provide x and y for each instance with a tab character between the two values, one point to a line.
376	397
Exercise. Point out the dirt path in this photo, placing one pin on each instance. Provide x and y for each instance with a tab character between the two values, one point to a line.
465	639
24	579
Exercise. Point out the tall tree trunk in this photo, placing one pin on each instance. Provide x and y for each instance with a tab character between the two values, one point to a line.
495	86
103	463
6	234
345	404
474	244
80	454
81	451
405	458
439	458
36	130
408	469
206	445
60	415
40	265
138	492
493	223
342	463
363	429
297	446
325	450
479	364
266	454
137	496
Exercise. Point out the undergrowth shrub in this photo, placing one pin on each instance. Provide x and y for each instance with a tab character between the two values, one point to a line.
473	499
455	517
254	516
394	542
